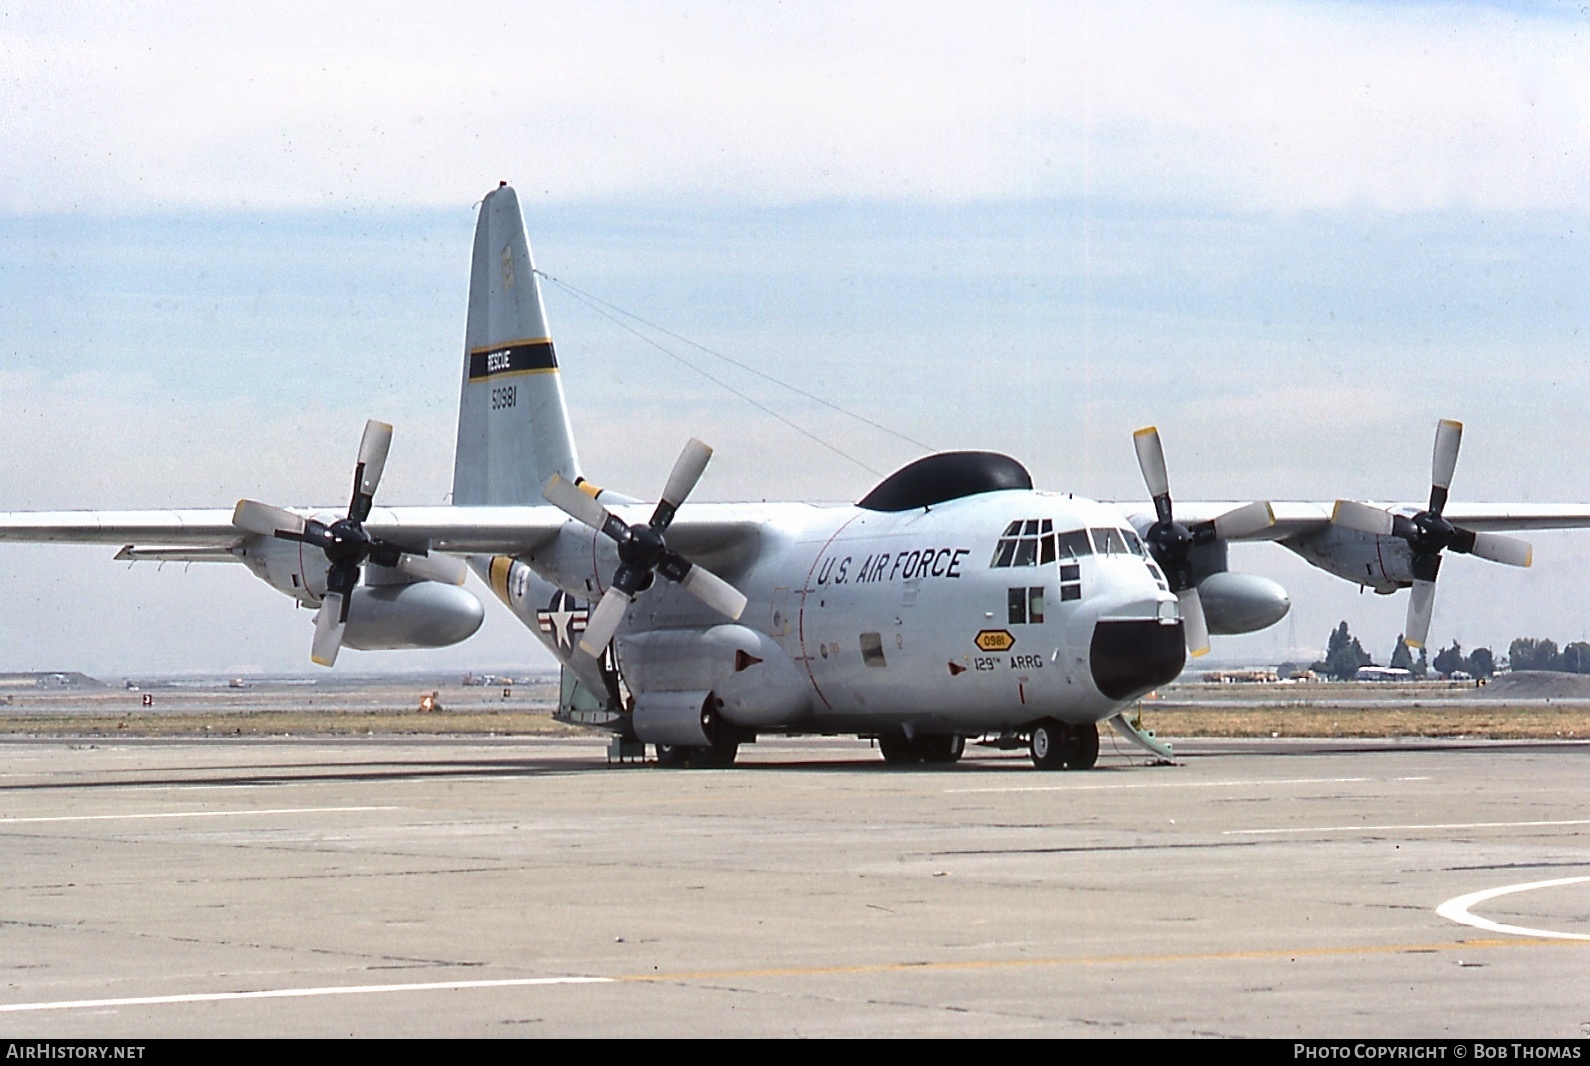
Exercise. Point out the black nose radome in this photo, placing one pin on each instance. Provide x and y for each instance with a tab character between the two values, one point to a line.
1134	656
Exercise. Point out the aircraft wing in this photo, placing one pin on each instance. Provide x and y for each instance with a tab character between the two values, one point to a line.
1291	517
484	530
1502	517
196	529
726	533
1298	517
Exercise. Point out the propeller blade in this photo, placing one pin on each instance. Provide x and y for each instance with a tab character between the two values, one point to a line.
688	468
603	622
1421	606
713	591
1245	521
1448	436
444	568
1349	514
575	502
373	448
1194	626
1500	549
329	626
265	520
1151	461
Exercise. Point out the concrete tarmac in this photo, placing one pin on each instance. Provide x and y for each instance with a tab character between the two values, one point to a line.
522	887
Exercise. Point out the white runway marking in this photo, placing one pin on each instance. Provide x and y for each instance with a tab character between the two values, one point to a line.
300	993
1172	784
1389	828
1457	910
188	814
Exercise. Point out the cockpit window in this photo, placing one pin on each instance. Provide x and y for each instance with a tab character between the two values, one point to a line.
1134	543
1074	545
1026	542
1109	542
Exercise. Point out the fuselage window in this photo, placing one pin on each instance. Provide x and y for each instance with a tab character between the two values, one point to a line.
1025	605
1070	581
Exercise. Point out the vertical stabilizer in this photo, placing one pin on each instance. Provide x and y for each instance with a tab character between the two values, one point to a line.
513	426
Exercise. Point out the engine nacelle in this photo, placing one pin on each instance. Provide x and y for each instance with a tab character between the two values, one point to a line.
423	614
286	566
753	682
1384	564
1241	603
679	719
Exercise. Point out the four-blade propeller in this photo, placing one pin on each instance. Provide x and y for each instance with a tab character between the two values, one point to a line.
347	544
1428	533
1171	542
642	550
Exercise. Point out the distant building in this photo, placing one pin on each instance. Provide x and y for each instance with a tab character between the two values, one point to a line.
52	679
1256	675
1382	673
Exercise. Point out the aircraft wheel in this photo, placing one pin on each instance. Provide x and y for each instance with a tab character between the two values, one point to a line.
718	757
1082	747
1047	744
898	749
941	750
672	756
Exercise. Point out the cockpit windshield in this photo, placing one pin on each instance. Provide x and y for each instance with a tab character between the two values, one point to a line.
1033	542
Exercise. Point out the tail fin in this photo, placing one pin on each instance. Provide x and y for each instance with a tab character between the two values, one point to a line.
513	427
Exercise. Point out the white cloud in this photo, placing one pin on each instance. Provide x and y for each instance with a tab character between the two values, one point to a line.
1276	107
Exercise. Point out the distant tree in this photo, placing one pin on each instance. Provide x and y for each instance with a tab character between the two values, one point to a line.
1482	663
1344	655
1449	661
1421	668
1401	655
1527	653
1576	658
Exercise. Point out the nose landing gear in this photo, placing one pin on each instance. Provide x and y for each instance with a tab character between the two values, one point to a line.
1057	745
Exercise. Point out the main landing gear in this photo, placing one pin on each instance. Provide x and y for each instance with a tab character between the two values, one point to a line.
720	756
1057	745
901	750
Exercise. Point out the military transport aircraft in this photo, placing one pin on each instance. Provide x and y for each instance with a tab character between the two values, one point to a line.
953	601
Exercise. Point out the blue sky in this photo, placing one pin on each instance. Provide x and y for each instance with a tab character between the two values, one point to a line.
1292	235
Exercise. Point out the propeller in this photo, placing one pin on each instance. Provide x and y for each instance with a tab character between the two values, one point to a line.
1428	534
642	550
347	545
1171	542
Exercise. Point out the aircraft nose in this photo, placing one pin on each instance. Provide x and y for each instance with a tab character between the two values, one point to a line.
1129	657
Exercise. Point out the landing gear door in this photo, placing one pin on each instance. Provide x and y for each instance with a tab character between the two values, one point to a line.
578	705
